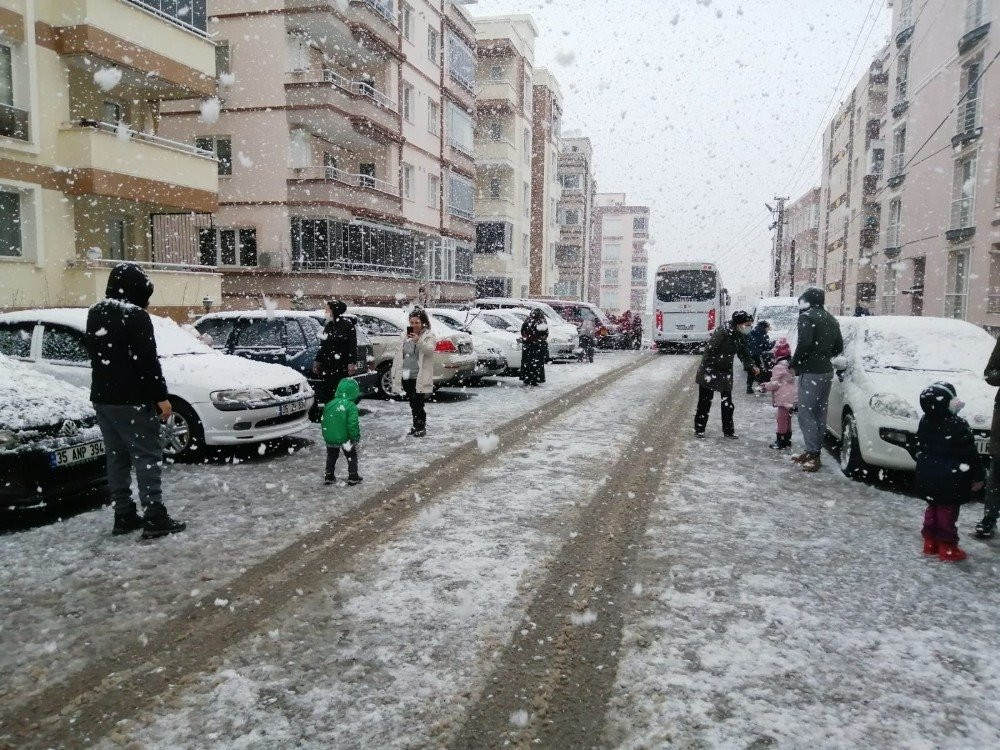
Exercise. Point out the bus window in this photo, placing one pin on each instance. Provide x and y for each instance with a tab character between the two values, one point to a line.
686	286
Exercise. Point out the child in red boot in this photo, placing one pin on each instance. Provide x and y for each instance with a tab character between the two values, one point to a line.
784	390
949	469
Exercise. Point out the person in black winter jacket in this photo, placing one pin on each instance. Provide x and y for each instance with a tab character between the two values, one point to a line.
338	352
534	338
759	343
130	398
715	373
949	469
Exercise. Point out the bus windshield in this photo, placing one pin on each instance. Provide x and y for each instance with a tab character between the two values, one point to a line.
685	286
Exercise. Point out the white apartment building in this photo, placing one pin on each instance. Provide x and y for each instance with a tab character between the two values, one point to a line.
545	188
575	211
504	120
620	236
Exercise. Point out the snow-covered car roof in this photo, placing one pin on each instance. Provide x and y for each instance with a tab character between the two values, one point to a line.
260	313
30	398
777	302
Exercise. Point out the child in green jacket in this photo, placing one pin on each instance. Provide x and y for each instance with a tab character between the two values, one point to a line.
342	430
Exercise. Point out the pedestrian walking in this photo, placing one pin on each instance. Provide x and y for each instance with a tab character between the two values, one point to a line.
413	368
628	332
130	397
784	394
534	348
588	335
759	343
986	528
342	431
949	469
338	352
819	341
716	371
637	331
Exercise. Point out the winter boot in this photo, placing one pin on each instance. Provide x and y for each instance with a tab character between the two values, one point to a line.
931	547
986	528
699	435
950	552
779	442
811	464
731	436
353	480
420	433
160	524
329	479
126	523
801	458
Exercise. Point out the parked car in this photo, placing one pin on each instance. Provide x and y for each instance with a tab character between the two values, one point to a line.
609	334
217	399
284	337
506	342
454	359
875	400
50	446
564	339
781	312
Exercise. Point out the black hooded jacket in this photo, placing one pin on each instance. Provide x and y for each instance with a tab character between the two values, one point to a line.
120	339
819	337
947	460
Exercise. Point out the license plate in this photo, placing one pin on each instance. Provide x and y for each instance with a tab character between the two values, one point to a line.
76	454
983	445
292	408
685	328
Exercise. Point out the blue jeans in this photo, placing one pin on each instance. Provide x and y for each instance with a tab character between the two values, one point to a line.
814	399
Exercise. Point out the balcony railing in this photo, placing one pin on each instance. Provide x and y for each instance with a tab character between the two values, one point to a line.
466	83
189	14
125	133
969	113
898	166
462	213
962	213
347	178
463	147
14	122
384	9
358	88
147	265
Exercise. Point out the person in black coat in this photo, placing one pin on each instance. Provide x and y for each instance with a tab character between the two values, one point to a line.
759	343
338	352
534	346
715	373
949	468
130	397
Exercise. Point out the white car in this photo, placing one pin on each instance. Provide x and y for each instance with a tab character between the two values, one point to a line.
505	342
217	399
875	401
781	312
564	338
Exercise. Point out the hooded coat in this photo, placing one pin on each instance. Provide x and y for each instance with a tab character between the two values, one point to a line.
338	348
341	420
758	341
992	375
947	460
819	337
124	365
716	369
426	345
783	386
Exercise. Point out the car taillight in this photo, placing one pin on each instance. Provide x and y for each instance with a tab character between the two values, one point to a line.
711	320
446	346
659	320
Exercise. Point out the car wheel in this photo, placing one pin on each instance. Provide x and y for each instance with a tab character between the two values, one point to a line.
851	461
182	433
385	380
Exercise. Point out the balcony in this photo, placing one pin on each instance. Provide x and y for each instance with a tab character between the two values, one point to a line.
898	171
117	162
571	233
906	28
174	56
375	19
962	220
497	94
869	237
973	37
497	154
175	284
327	101
969	123
329	185
14	123
870	187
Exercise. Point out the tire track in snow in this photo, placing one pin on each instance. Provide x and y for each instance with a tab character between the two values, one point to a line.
88	704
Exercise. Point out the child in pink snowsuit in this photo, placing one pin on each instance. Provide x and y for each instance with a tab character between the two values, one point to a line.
785	394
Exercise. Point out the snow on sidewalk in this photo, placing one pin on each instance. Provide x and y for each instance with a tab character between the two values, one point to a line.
72	592
792	611
391	655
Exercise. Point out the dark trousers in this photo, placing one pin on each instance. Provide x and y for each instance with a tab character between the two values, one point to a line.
417	401
533	363
993	491
132	440
327	387
705	396
587	344
939	523
333	453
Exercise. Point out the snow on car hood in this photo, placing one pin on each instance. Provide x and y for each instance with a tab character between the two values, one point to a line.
32	399
213	371
977	394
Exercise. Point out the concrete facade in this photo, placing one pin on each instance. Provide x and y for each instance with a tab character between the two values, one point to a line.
545	188
621	236
798	259
86	176
575	216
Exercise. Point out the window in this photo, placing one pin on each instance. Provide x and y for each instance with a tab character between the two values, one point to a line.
460	129
112	112
461	62
495	129
406	21
496	72
894	224
330	245
890	284
877	167
611	251
330	164
525	250
638	275
957	288
527	146
496	187
571	217
899	152
612	226
963	204
526	196
223	59
219	329
570	181
975	14
433	191
228	247
969	111
494	237
408	97
6	76
611	275
461	194
378	327
117	239
434	118
222	147
993	298
903	76
408	181
527	93
15	339
905	14
11	245
640	225
432	46
190	13
64	345
262	334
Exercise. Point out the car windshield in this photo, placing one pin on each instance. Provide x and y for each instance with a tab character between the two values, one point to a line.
685	286
781	318
173	341
961	347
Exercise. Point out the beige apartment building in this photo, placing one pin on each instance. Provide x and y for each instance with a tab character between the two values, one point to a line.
940	252
346	161
854	149
504	122
797	260
575	212
621	236
545	188
87	177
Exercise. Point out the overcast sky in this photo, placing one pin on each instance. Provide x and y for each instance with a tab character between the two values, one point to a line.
704	109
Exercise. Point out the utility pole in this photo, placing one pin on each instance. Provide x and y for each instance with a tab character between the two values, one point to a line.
779	239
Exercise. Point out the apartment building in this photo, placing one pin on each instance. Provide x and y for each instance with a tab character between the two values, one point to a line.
504	122
545	188
797	260
346	162
86	177
620	236
940	254
854	148
574	214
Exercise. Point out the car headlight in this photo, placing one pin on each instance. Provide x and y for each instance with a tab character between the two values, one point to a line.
240	396
891	405
9	440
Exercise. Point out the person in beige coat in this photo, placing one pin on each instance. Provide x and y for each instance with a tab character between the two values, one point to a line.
413	368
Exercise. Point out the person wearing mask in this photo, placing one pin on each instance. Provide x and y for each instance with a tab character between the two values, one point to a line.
338	350
987	527
715	373
413	368
534	343
588	335
819	341
130	397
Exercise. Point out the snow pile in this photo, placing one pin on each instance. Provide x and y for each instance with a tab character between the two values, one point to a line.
487	443
227	79
30	398
927	344
107	78
210	109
